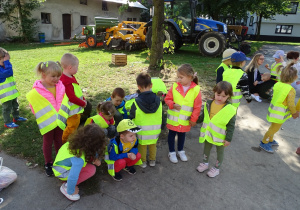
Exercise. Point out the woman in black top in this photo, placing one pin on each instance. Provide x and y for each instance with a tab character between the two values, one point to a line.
259	85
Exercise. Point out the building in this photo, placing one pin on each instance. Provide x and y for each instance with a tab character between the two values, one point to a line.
61	20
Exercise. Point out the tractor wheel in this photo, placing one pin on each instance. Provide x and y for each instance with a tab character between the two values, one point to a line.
212	44
91	41
169	35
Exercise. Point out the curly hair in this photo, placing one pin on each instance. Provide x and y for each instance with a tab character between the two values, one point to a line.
89	140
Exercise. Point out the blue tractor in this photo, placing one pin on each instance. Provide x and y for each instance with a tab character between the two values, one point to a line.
183	26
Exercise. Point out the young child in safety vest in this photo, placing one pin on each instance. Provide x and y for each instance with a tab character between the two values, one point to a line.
226	64
218	126
8	92
105	118
146	113
77	102
49	104
117	98
184	102
238	78
75	160
279	61
122	151
282	106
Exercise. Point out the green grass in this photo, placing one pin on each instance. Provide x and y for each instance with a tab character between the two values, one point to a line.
96	76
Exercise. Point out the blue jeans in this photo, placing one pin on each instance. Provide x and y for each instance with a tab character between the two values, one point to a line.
180	140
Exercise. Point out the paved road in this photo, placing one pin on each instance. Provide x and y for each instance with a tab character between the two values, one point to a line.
249	178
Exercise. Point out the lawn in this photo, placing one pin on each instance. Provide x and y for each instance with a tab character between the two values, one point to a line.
97	78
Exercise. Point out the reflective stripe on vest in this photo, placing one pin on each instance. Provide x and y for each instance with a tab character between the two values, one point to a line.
214	130
98	120
46	116
183	116
8	90
61	171
74	108
150	124
233	76
277	112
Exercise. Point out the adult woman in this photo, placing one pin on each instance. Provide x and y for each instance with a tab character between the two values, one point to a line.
259	86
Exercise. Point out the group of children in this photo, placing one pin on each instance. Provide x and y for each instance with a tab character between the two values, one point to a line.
134	125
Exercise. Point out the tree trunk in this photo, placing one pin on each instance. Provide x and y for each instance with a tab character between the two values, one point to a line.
258	26
21	20
156	52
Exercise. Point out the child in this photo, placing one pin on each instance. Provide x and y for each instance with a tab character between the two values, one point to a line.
279	61
122	151
72	161
184	102
105	118
117	98
238	78
226	64
8	92
49	104
146	113
218	126
70	63
293	56
282	106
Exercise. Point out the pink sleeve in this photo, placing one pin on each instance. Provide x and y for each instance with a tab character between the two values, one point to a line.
197	108
169	98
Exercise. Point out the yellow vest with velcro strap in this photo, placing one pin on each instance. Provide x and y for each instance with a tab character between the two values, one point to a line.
214	130
61	171
277	112
233	76
150	123
46	116
183	116
110	163
273	70
158	85
74	108
8	90
225	67
98	120
128	105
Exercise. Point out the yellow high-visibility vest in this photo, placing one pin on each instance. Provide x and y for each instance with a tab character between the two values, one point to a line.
150	123
74	108
8	90
183	116
273	70
98	120
225	67
158	85
233	76
61	171
277	112
214	130
46	116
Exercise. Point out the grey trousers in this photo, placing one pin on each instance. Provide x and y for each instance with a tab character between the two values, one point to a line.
9	107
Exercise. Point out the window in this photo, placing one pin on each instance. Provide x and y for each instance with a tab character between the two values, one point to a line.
83	2
293	8
251	21
284	29
45	17
83	20
104	6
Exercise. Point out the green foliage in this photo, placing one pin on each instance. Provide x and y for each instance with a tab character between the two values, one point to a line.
18	18
170	46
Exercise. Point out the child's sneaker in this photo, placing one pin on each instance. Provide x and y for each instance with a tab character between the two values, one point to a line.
118	177
19	119
213	172
143	165
202	167
266	147
48	169
182	156
273	143
172	157
63	190
256	98
298	151
11	125
130	169
152	163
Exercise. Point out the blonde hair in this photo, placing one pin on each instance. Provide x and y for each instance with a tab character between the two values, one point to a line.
68	59
253	63
106	108
289	73
3	52
48	67
187	69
